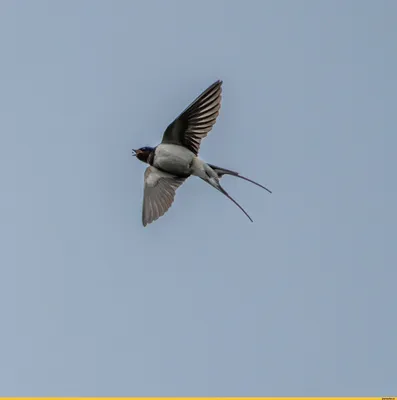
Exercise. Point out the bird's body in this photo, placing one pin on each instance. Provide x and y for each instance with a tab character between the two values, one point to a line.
176	158
181	162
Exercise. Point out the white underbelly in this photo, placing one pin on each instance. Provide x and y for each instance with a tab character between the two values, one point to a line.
173	159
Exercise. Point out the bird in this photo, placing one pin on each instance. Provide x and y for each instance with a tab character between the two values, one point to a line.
176	158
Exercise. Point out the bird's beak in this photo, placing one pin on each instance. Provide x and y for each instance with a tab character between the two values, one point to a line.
134	153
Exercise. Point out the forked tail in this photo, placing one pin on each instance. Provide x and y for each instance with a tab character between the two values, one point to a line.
215	183
223	171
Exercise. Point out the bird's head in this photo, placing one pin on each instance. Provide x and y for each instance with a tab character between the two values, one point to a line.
143	153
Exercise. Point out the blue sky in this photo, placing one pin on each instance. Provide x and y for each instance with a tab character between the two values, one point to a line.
202	302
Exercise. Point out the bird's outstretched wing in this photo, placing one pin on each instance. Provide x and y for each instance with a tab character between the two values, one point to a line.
197	120
158	194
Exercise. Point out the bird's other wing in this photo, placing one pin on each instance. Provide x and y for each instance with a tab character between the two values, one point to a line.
158	194
197	120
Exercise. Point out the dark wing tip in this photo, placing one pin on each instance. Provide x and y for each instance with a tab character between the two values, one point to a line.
219	82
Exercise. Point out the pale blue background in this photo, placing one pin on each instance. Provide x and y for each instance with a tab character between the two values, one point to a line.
300	303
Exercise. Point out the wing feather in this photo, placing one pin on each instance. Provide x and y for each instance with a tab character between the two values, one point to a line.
158	194
197	120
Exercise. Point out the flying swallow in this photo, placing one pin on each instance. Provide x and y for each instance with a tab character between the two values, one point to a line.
176	157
